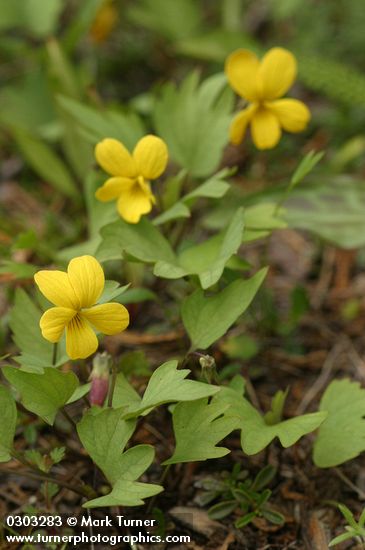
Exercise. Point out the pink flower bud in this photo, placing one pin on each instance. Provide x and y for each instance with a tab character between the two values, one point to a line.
98	391
99	377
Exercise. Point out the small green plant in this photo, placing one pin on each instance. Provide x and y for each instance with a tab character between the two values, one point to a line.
354	529
235	491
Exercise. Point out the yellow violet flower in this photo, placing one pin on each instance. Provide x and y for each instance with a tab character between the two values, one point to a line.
105	21
75	294
132	173
262	83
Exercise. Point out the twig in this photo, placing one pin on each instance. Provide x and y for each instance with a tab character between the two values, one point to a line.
324	278
349	483
327	368
356	360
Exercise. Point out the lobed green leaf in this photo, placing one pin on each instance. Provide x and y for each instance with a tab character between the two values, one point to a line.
198	428
342	435
43	394
206	319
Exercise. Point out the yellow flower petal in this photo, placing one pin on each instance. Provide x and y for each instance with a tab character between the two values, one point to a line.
112	189
135	202
265	129
241	69
87	279
108	318
239	124
150	155
114	158
293	115
54	321
81	340
277	73
56	287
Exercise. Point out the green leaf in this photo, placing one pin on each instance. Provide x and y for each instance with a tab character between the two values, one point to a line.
36	352
342	435
57	454
112	291
142	241
173	20
79	393
215	44
194	120
214	188
362	519
263	478
342	223
105	434
306	165
261	220
43	394
8	423
242	346
124	394
341	538
137	295
207	259
206	319
27	103
256	434
61	71
83	17
46	163
35	16
245	520
179	210
198	428
18	270
98	215
275	415
135	363
127	491
96	125
167	385
222	509
273	516
348	515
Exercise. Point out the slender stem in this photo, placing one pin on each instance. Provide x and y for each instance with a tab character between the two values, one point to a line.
54	356
160	481
17	456
112	385
86	491
186	358
86	401
68	418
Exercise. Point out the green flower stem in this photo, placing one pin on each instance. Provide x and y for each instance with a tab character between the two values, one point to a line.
54	356
112	385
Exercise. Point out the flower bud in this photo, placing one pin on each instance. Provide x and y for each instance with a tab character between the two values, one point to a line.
209	368
99	377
